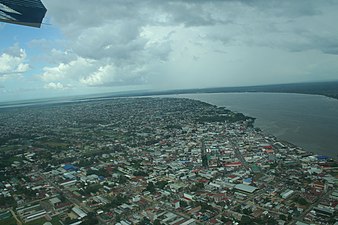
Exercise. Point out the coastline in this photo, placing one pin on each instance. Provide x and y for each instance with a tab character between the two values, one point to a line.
71	101
281	128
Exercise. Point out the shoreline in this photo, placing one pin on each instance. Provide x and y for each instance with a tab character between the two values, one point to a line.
76	101
42	102
332	155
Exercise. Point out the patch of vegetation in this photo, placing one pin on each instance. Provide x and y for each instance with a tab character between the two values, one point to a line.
8	221
116	201
37	221
90	219
161	184
25	191
6	202
197	187
145	221
140	173
100	172
151	187
205	206
174	126
300	200
91	189
231	117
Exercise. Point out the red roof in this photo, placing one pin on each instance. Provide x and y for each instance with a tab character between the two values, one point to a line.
233	164
187	198
213	221
202	181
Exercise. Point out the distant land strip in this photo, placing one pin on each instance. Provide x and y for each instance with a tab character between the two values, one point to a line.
329	89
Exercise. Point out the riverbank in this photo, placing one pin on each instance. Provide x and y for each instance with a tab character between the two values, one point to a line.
308	121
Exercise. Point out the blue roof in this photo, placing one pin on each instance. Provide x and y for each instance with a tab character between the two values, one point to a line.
69	167
248	180
322	157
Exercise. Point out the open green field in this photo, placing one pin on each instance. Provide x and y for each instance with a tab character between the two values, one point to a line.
9	221
41	221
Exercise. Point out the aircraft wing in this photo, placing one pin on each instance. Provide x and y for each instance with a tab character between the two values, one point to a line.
23	12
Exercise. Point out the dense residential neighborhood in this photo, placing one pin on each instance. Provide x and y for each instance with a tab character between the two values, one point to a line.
155	161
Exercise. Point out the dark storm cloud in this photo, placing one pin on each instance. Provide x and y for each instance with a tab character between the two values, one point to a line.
123	82
191	13
286	8
125	42
328	45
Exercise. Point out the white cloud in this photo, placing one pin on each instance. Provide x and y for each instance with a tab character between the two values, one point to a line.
177	43
71	70
88	72
13	63
99	77
54	86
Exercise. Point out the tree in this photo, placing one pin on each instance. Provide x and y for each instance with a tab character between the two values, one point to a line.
62	197
151	187
140	173
92	189
117	201
122	179
271	221
225	219
85	163
282	217
145	221
161	184
300	200
7	201
157	222
289	217
101	172
27	192
90	219
183	204
247	211
197	187
245	220
205	206
117	218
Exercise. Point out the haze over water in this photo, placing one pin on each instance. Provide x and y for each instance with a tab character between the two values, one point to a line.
308	121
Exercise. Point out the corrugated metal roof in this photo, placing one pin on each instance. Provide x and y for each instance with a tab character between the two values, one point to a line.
246	188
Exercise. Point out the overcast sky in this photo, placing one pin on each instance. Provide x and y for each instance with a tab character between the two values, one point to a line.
116	45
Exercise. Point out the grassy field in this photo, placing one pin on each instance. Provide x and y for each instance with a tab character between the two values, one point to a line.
8	221
8	148
41	221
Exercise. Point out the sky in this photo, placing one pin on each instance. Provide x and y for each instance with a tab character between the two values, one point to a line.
87	46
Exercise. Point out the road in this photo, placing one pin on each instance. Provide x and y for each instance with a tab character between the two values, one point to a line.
239	154
18	222
301	217
67	194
